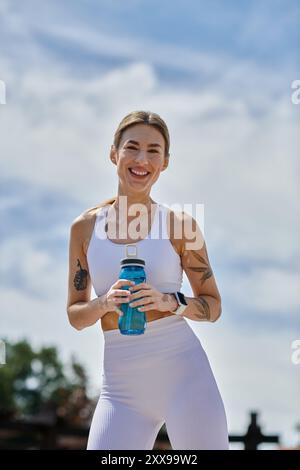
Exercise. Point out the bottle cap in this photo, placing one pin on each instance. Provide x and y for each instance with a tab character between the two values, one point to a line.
131	258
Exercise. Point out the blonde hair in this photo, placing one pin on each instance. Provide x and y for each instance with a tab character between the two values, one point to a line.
138	117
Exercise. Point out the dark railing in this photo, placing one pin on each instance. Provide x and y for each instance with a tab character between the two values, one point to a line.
254	436
50	434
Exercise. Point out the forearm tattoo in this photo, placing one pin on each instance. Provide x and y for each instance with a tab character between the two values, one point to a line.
205	270
203	308
80	279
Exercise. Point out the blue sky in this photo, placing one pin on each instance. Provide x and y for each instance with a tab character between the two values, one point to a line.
220	75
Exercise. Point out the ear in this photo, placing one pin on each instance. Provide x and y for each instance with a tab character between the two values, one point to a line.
113	154
166	163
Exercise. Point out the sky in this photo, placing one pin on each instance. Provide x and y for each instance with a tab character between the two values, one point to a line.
219	74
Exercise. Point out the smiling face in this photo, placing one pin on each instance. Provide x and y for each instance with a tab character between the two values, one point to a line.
139	159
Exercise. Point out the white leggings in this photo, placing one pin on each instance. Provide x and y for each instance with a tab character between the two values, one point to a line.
161	376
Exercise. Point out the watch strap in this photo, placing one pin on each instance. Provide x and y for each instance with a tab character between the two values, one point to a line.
180	307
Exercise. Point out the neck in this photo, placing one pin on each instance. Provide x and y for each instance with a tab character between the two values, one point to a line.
129	200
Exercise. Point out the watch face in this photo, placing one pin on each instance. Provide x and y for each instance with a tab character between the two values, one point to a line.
181	298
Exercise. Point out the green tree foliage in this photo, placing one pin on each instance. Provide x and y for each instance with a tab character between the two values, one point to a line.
32	378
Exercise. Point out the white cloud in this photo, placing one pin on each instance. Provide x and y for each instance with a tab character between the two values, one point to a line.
33	269
269	290
254	373
233	148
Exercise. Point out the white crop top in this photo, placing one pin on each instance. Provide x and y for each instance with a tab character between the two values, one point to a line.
162	263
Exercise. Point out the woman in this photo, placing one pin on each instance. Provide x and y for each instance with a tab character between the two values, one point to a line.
163	375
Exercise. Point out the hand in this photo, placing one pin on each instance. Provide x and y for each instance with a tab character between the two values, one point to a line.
151	298
115	296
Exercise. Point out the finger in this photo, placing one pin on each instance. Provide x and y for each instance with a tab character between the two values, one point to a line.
141	293
145	300
123	282
119	311
122	300
145	308
119	300
142	285
122	292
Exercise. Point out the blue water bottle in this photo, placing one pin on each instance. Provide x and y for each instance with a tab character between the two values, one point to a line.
133	321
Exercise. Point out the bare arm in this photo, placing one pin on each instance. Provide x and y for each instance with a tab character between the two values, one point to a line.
82	311
206	303
84	314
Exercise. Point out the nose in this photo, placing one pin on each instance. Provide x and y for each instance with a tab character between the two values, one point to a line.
141	156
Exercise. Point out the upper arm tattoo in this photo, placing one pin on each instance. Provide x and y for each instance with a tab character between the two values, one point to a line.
80	279
205	270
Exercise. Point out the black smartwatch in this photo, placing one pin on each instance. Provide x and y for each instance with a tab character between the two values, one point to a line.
181	301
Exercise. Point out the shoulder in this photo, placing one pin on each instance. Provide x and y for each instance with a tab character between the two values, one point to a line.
84	218
82	226
174	222
183	229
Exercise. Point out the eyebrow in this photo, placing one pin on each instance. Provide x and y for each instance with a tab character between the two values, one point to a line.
136	143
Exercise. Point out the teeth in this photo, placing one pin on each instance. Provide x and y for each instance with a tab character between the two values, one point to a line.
138	172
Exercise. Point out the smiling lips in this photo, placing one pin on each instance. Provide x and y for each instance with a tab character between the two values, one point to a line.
138	172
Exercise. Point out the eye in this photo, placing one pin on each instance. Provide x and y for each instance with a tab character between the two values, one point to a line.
134	148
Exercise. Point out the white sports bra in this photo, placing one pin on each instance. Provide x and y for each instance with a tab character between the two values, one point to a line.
162	263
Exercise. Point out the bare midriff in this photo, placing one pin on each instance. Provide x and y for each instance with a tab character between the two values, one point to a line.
110	320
